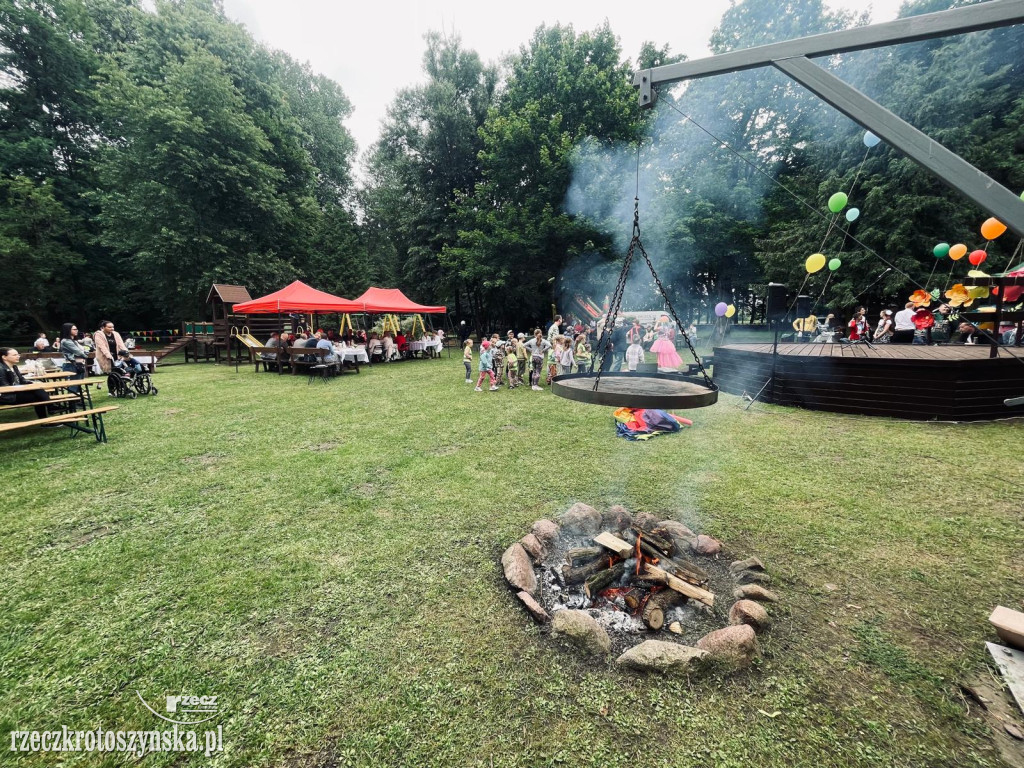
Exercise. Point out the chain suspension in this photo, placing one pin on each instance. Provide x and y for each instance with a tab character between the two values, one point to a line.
616	301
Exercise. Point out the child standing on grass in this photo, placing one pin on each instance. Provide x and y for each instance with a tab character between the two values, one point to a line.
498	357
512	365
537	346
635	353
467	359
582	354
486	366
554	355
565	358
522	356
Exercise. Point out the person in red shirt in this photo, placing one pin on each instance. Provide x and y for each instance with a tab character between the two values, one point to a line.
858	325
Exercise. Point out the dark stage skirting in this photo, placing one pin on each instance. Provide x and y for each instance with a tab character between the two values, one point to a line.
949	383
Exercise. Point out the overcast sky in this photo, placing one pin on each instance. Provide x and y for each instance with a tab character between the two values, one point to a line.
374	50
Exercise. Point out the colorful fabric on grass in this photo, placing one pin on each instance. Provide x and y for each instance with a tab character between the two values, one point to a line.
645	423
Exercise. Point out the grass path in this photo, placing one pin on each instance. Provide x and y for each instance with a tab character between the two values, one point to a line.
325	560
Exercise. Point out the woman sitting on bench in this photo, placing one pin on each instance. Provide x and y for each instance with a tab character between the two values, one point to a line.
10	376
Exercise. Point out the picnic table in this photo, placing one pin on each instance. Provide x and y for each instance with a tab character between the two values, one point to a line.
351	354
88	419
431	347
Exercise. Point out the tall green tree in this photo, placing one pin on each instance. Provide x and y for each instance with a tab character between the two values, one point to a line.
426	157
226	163
514	236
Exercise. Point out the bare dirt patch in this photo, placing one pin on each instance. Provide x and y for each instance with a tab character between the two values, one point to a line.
204	460
89	536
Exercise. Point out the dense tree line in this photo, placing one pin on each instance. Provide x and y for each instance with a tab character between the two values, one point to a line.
147	153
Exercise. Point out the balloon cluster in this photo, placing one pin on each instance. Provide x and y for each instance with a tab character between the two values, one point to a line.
836	203
991	228
724	310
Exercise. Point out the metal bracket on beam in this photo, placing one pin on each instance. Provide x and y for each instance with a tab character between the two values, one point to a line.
648	96
992	197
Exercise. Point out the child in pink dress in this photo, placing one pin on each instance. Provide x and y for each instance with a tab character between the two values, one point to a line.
668	359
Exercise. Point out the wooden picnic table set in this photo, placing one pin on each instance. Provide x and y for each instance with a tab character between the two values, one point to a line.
80	416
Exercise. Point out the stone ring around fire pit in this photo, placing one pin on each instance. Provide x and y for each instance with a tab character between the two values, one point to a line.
649	590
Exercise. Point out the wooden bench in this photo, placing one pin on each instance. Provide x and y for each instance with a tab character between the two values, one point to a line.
51	401
296	354
258	359
70	419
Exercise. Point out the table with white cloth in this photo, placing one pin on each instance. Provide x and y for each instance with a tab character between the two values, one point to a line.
351	354
432	348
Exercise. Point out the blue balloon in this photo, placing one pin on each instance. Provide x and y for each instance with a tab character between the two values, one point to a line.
870	140
853	214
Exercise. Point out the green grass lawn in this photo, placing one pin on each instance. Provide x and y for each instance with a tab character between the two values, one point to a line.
325	560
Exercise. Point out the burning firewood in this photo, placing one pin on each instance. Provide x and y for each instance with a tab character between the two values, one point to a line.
578	575
665	547
657	605
603	579
653	572
684	571
578	556
613	543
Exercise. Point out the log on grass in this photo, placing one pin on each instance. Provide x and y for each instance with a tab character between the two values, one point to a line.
572	575
613	543
683	587
578	556
603	580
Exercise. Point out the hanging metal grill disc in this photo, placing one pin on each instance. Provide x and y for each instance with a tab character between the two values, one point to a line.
622	389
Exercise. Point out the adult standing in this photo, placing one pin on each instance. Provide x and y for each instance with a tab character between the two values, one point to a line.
555	329
10	376
41	344
76	357
883	331
903	332
619	344
859	325
108	343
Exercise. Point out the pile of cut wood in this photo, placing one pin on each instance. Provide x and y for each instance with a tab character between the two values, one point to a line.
637	570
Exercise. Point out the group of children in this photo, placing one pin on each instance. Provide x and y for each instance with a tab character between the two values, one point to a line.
508	360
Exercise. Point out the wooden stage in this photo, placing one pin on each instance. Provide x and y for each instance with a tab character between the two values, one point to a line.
946	382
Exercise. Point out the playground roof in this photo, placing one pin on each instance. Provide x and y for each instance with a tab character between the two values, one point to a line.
229	294
297	297
378	300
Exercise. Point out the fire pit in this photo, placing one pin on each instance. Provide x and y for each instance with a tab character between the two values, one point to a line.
655	593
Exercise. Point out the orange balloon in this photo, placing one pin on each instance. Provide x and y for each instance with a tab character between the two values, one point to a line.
958	251
992	228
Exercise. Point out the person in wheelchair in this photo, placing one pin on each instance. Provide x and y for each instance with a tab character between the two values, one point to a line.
128	378
125	361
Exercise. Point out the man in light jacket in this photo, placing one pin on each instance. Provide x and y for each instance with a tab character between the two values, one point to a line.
108	343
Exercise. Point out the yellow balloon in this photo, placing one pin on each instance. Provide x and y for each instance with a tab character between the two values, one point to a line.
730	311
992	228
815	262
957	252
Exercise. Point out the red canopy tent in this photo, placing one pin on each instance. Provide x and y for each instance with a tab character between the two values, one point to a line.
298	297
391	301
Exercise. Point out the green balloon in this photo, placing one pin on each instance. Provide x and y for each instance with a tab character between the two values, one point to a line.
834	264
941	250
837	202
